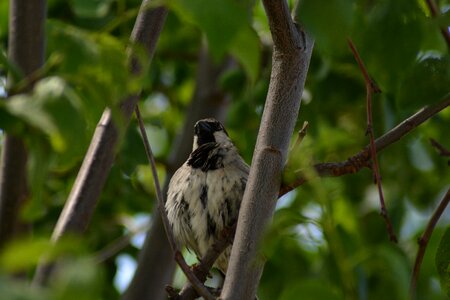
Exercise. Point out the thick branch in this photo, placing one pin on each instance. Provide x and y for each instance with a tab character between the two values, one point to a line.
423	242
290	61
26	48
91	178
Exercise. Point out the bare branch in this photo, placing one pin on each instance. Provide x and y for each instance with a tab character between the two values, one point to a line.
435	13
201	270
372	88
423	242
118	245
91	178
301	134
360	160
26	49
444	152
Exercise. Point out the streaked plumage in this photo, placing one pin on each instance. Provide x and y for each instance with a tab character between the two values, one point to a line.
206	191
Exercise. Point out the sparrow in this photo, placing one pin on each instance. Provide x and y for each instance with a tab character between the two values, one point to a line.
205	193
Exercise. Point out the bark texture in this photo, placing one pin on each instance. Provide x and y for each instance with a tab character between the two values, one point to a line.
290	60
26	48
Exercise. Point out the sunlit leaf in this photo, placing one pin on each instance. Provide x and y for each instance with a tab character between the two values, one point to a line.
78	279
54	108
91	8
23	254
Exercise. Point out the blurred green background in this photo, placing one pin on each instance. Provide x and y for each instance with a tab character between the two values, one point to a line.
327	240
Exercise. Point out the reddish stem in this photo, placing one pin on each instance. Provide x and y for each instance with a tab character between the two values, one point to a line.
423	242
372	88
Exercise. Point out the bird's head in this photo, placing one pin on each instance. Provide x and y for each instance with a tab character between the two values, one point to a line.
209	131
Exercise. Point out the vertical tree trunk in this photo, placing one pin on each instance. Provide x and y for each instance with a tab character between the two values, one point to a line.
290	60
26	48
91	178
156	264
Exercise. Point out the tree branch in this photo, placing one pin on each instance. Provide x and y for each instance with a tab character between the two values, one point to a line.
26	48
201	270
360	160
435	13
327	169
423	242
290	61
91	178
372	88
444	152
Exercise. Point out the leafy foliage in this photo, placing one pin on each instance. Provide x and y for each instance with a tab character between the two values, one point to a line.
327	240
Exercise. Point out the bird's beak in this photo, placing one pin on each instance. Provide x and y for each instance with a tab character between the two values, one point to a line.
202	128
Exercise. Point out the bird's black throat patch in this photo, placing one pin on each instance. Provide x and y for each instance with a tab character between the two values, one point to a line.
206	157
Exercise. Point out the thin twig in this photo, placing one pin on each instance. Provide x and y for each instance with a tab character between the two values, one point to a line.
199	287
119	244
360	160
301	134
423	242
435	13
372	88
441	149
201	270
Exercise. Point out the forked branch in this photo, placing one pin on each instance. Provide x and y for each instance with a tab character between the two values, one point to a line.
372	88
423	242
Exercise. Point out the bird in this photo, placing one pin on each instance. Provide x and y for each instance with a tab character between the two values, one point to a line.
205	193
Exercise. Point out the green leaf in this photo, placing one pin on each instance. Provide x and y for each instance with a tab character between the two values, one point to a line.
221	20
329	21
391	40
246	49
311	289
12	289
4	8
91	8
79	279
96	63
443	261
23	254
427	83
54	108
14	70
8	121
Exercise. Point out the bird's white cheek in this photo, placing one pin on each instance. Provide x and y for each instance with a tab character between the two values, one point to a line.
195	144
